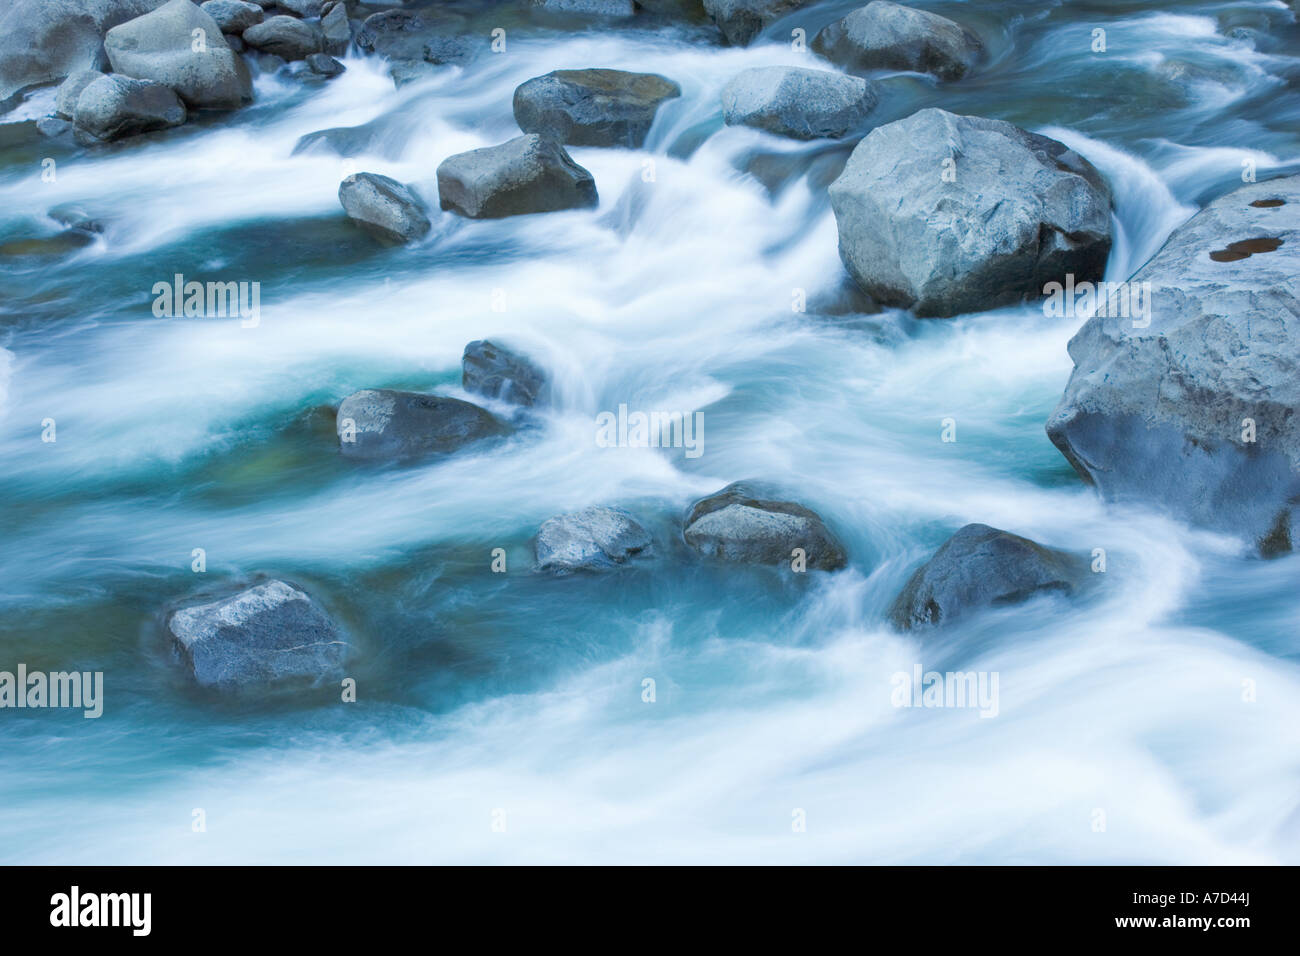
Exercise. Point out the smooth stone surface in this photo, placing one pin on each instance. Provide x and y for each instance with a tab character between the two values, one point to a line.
742	20
114	107
593	539
268	634
383	207
492	370
1019	211
1157	414
528	174
390	424
802	104
70	90
981	567
595	107
286	37
233	16
159	46
890	36
746	523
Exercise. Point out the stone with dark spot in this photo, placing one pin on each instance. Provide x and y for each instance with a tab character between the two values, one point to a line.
742	20
592	107
890	36
383	207
593	539
528	174
286	37
114	107
384	424
746	523
494	371
981	567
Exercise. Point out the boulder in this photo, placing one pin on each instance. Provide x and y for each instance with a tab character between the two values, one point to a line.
269	634
889	36
1018	211
65	100
497	372
322	64
304	8
1191	403
402	34
43	41
528	174
382	423
160	46
286	37
592	107
742	20
591	8
232	16
803	104
744	523
593	539
114	107
980	567
383	207
336	30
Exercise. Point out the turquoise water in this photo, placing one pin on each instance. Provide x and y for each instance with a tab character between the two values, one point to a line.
480	692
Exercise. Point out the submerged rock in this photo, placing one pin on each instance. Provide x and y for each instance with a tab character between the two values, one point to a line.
233	16
803	104
889	36
742	20
593	539
286	37
268	634
70	90
1018	211
497	372
528	174
114	107
383	207
981	567
42	41
592	107
1190	402
596	8
163	46
743	523
383	423
322	64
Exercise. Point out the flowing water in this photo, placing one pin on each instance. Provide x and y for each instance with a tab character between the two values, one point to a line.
485	697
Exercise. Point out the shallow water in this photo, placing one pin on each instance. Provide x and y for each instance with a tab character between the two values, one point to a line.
481	692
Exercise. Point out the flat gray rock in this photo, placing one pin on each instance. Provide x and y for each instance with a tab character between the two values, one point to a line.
161	46
383	207
744	523
593	539
286	37
528	174
115	107
802	104
742	20
981	567
592	107
1157	414
268	634
492	370
1018	211
381	423
890	36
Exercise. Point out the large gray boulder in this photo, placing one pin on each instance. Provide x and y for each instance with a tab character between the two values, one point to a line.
528	174
115	107
593	539
70	90
791	101
336	30
162	46
269	634
946	214
592	107
382	423
43	41
492	370
383	207
742	20
233	16
889	36
1194	405
745	523
981	567
286	37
